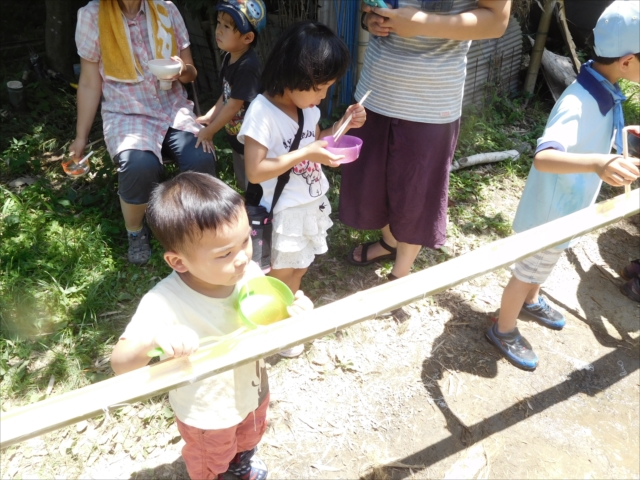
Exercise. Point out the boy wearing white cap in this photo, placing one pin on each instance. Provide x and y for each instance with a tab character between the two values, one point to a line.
572	159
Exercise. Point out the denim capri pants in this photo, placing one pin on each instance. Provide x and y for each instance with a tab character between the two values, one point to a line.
140	170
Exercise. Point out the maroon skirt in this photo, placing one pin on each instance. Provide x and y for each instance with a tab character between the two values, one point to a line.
401	179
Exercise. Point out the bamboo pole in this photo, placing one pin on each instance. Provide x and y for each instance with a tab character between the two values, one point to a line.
538	47
562	16
56	412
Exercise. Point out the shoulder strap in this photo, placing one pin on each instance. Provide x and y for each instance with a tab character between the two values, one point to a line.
284	178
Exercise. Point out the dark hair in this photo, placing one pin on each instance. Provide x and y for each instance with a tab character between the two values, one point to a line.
602	60
254	42
306	55
182	208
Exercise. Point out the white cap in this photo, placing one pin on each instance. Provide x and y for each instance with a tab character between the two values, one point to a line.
617	32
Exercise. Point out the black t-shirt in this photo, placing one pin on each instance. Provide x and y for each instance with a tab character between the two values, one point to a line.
240	81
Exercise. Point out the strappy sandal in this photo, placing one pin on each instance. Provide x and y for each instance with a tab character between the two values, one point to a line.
364	260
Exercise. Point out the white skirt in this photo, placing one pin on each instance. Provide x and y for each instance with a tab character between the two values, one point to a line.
300	233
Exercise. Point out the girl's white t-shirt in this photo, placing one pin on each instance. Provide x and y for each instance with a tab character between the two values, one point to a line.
271	127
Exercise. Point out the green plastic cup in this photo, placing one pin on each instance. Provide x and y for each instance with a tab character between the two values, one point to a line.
263	301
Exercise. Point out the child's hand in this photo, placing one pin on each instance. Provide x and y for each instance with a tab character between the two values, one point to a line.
618	171
300	305
177	341
315	152
359	116
205	137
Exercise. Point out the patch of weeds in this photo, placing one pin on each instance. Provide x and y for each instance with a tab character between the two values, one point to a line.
632	106
502	124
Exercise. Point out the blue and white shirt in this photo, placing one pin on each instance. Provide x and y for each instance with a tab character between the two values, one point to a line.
581	122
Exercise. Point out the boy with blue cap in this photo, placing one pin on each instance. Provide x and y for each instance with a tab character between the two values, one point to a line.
571	161
239	22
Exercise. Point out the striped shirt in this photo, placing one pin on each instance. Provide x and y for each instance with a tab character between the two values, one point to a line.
136	116
420	79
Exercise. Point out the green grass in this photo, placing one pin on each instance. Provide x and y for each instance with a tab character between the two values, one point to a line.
632	106
66	289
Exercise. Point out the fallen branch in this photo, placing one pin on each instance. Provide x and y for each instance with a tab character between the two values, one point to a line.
481	158
100	398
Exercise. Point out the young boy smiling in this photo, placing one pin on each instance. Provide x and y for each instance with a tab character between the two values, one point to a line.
202	225
239	22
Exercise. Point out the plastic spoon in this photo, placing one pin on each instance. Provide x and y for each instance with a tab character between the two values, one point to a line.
85	158
340	131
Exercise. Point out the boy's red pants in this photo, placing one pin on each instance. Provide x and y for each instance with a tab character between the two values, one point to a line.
207	453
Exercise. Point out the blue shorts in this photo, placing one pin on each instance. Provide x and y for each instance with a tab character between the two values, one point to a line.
140	170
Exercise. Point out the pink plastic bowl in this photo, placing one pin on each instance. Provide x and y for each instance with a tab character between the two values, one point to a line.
347	146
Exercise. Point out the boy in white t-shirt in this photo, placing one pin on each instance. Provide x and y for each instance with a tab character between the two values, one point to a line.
203	226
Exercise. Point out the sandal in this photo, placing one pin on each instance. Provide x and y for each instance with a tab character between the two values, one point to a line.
364	260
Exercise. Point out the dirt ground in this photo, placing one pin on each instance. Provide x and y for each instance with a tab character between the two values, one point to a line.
429	398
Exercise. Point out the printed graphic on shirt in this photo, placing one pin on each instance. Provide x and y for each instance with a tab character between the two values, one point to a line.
235	124
307	134
310	171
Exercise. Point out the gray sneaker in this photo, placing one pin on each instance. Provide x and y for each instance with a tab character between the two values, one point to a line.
139	247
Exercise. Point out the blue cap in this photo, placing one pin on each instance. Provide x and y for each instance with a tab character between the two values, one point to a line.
248	15
617	32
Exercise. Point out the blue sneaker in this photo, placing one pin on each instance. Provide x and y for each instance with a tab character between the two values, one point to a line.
514	347
544	314
246	466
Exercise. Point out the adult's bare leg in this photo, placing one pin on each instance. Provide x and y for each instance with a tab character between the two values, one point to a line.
133	215
407	254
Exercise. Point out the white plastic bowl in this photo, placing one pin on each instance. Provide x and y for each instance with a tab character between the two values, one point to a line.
164	70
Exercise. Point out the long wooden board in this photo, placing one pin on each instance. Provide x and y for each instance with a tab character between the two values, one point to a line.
26	422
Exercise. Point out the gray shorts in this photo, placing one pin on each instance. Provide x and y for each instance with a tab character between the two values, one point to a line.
537	268
140	170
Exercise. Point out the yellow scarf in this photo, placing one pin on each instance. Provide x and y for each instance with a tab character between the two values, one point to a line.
119	62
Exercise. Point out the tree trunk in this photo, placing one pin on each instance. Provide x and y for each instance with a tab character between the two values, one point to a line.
59	35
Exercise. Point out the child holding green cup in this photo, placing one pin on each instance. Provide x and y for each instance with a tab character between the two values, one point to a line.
203	226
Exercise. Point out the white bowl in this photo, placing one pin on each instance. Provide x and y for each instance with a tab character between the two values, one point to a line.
164	70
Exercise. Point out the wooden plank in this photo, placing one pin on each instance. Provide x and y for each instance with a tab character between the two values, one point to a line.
26	422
